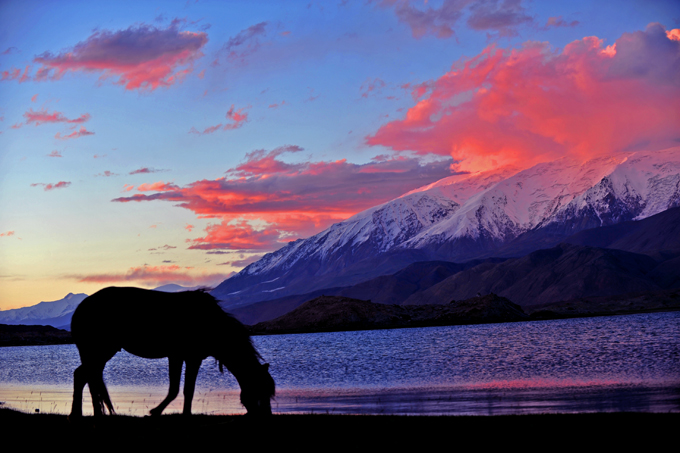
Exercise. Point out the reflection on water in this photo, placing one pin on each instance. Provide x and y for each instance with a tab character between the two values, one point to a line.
579	365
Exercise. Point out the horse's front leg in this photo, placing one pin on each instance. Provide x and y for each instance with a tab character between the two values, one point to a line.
79	381
190	383
175	370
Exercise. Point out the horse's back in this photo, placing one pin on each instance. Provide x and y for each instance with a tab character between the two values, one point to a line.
147	323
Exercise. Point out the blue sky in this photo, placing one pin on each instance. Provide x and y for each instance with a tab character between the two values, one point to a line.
238	125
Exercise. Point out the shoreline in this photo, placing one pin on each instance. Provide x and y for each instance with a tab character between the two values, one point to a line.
362	431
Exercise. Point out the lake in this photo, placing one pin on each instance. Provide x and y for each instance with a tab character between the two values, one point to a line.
617	363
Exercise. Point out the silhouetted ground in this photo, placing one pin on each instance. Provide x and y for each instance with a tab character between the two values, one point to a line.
331	432
20	335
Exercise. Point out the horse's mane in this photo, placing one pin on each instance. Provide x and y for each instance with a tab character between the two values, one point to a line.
234	332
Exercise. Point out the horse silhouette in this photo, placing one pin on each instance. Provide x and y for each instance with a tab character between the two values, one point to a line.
186	327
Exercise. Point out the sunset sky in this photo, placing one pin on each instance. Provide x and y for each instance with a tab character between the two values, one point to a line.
148	142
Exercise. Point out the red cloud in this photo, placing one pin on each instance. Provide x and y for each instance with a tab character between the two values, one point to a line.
142	57
522	106
293	200
75	134
43	116
153	276
9	233
50	186
240	236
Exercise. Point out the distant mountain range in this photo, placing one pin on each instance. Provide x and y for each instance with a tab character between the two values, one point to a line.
463	218
58	313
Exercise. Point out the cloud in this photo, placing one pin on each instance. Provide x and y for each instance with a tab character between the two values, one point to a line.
243	262
369	86
530	104
556	22
265	202
237	117
153	276
82	132
501	16
143	170
50	186
55	153
43	116
139	58
15	74
8	233
245	43
238	236
107	174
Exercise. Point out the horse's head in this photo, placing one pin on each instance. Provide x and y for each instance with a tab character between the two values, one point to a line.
257	390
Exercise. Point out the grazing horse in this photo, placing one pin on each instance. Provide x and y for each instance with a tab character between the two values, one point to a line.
184	327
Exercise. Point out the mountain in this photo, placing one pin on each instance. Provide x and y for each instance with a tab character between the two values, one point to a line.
56	313
466	217
564	272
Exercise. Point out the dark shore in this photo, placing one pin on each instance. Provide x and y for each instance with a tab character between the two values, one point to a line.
362	432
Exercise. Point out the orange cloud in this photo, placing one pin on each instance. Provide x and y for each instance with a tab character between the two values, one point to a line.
142	57
522	106
153	276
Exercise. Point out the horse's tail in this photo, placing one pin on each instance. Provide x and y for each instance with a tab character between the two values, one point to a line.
99	392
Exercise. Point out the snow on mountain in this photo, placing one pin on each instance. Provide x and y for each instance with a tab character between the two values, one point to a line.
382	227
463	217
55	313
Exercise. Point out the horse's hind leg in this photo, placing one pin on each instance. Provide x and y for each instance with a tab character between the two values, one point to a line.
175	370
79	381
98	390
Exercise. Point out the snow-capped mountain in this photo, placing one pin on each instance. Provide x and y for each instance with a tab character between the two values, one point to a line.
56	313
464	217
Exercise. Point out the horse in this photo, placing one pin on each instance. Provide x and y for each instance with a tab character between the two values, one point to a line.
186	327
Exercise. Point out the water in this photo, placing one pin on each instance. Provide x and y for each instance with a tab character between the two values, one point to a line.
619	363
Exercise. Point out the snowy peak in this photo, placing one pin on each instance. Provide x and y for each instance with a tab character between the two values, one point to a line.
45	313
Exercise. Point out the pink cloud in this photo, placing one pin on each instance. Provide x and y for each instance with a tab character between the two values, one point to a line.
54	153
50	186
237	118
43	116
142	57
34	98
153	276
82	132
8	233
292	199
526	105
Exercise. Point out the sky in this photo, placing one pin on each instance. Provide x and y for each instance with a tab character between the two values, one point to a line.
152	142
